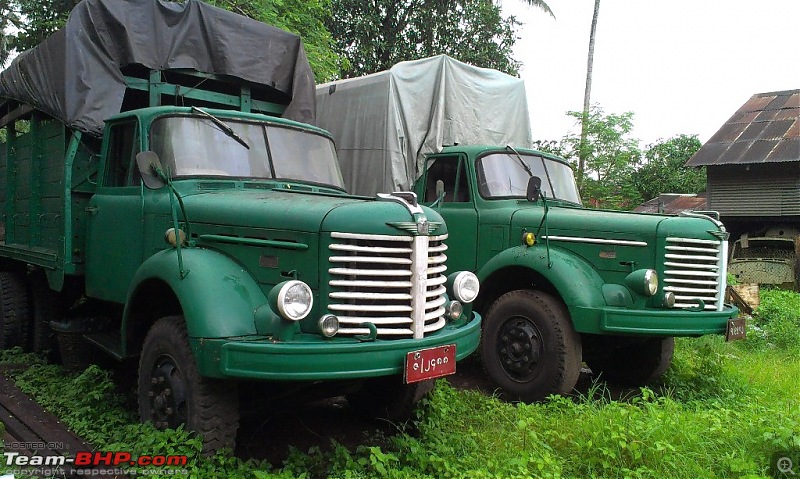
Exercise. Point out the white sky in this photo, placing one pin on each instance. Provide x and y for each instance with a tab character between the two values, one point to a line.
682	66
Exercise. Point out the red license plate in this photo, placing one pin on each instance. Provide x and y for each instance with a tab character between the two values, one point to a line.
737	329
430	363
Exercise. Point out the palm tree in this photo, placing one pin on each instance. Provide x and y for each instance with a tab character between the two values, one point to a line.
542	5
583	150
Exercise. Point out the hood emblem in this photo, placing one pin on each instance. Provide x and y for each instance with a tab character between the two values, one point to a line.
423	228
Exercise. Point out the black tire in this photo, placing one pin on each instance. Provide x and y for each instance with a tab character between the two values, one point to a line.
13	310
635	364
529	348
172	392
389	398
44	308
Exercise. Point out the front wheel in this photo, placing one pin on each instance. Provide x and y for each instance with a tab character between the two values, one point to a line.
530	349
172	392
635	363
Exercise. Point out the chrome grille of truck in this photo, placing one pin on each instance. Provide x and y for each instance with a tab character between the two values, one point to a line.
373	281
694	270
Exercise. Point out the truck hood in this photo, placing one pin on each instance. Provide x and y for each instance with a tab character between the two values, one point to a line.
299	211
579	222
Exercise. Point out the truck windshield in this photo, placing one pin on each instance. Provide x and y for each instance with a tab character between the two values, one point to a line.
505	175
196	146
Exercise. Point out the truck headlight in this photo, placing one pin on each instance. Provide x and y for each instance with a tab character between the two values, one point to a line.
294	299
643	281
463	286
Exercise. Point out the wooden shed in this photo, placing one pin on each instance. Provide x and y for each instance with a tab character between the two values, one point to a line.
753	164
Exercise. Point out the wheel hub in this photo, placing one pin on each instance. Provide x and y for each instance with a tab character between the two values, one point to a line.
167	395
519	347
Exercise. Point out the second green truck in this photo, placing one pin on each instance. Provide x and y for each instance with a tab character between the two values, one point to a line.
560	284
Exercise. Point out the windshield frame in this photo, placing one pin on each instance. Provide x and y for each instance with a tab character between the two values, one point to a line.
265	126
541	165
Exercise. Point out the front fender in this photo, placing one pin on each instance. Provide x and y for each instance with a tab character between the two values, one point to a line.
217	296
576	280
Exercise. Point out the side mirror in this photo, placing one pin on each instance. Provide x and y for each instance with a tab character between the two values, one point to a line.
150	169
439	189
534	189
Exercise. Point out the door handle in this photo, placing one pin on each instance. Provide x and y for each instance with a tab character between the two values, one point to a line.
92	210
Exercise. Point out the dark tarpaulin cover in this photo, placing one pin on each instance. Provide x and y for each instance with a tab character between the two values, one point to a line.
74	75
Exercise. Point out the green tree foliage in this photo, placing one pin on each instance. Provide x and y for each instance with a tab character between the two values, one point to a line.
9	19
611	158
665	171
42	17
375	35
303	17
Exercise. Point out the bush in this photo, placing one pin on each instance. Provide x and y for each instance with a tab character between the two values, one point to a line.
776	322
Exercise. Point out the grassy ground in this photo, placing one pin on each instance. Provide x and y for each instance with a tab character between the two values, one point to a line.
722	410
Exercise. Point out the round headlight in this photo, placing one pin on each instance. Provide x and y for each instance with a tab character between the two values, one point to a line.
643	281
455	310
650	282
295	300
465	287
328	325
669	299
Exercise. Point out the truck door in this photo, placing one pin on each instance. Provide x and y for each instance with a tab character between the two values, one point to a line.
114	249
456	207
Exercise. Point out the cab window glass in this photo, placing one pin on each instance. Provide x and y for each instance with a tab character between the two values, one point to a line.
122	150
450	171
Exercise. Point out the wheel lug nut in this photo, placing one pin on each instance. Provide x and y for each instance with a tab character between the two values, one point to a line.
168	411
154	381
150	394
160	380
167	392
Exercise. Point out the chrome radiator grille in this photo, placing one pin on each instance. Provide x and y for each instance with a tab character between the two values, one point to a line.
397	283
694	269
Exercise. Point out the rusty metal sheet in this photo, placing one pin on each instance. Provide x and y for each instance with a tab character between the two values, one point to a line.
765	129
786	150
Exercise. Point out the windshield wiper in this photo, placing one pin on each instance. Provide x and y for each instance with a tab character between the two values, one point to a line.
223	126
521	161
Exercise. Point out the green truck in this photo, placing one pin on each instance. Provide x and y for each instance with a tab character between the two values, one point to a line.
158	202
560	284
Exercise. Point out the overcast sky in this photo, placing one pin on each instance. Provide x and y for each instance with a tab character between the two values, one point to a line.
682	66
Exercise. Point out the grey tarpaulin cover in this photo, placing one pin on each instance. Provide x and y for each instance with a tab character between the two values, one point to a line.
385	123
74	75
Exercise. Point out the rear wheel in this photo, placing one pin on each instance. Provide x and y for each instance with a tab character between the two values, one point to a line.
172	392
389	398
13	310
635	364
529	348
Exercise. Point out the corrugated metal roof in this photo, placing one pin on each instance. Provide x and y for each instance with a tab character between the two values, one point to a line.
765	129
673	203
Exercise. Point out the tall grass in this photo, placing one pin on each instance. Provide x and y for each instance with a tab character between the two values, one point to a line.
722	410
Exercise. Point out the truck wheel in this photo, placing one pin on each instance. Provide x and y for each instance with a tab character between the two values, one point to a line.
389	398
529	348
44	308
13	310
172	392
635	364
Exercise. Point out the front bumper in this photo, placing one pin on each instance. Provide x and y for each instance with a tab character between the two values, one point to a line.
653	322
310	357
